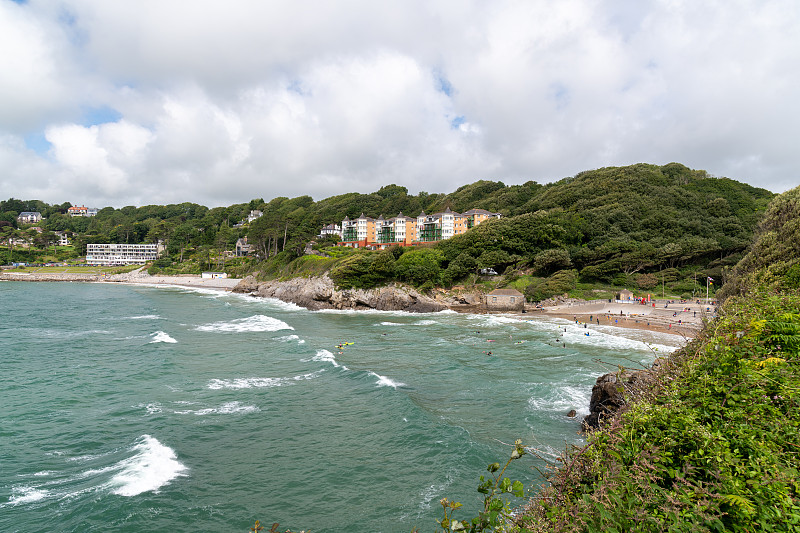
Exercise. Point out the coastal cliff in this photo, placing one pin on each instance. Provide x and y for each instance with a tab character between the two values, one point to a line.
319	292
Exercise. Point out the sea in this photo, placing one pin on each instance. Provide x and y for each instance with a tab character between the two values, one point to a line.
137	408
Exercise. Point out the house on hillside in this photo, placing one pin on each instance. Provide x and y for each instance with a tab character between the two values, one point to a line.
330	229
29	217
505	300
242	248
82	211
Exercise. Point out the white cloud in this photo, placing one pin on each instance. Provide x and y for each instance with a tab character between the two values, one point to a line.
223	102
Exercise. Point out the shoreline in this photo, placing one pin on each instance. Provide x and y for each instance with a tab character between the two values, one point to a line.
634	316
137	277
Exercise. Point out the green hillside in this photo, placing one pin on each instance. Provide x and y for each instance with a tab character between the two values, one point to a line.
641	226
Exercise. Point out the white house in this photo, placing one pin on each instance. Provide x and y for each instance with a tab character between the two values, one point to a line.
331	229
29	217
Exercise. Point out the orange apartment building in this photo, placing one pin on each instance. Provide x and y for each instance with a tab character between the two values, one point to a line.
405	231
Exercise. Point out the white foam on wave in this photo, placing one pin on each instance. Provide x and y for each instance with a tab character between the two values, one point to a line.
562	399
23	495
151	408
150	468
143	317
384	381
252	383
246	383
495	320
310	375
360	312
604	338
609	336
161	336
73	334
325	356
224	409
417	323
257	323
280	304
289	338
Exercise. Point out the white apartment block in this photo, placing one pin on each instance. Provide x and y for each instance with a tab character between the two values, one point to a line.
122	254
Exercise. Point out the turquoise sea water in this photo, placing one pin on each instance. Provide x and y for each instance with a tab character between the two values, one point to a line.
157	409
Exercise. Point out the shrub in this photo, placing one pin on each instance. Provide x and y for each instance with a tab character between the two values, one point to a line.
646	281
420	266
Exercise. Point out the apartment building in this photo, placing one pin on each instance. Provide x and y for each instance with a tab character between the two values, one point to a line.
122	254
405	231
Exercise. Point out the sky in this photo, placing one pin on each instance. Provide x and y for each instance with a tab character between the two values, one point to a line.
138	102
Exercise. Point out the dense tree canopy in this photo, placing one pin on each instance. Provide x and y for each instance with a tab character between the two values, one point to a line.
600	223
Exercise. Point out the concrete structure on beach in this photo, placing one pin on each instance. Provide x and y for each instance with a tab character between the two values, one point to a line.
505	300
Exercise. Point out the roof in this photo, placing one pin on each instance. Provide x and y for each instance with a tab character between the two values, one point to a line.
506	292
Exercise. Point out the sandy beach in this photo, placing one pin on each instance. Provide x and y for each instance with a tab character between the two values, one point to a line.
678	317
221	284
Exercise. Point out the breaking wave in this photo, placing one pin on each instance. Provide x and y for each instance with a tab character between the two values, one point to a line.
150	468
160	336
254	323
384	381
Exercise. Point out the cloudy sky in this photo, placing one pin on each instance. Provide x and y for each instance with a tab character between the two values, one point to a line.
217	102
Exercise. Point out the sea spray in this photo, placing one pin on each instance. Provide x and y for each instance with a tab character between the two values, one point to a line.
152	466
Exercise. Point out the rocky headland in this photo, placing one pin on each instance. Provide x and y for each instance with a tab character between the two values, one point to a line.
319	292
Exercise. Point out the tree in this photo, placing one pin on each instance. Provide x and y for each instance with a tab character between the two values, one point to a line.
549	261
420	266
9	234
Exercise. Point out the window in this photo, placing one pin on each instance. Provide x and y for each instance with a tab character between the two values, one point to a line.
494	299
512	299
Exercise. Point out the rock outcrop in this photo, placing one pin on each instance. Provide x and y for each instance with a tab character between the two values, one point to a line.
608	395
320	293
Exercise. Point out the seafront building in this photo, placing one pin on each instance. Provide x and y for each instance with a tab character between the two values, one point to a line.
402	230
122	254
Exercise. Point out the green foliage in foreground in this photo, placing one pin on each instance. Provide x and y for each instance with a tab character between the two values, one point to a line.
714	446
711	441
